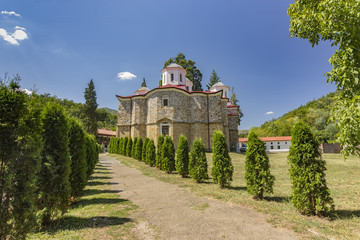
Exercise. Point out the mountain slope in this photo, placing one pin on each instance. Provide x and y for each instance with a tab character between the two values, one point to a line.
316	113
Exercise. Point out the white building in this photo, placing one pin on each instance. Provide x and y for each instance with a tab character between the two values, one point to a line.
273	144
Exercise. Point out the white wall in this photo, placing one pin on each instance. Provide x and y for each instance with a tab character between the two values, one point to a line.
278	146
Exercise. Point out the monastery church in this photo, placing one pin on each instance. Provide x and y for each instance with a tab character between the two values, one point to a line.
174	109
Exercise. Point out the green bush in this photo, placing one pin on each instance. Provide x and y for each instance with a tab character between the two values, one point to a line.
222	169
111	144
53	182
77	150
150	153
257	168
129	147
310	194
20	147
197	162
134	147
92	156
143	151
168	155
158	151
182	156
124	146
138	149
118	145
121	146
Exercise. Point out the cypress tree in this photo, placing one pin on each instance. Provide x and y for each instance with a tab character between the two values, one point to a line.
53	182
158	151
257	168
168	155
129	147
310	194
90	106
133	147
182	156
125	143
110	145
121	146
197	161
143	152
150	153
20	147
138	149
222	169
77	150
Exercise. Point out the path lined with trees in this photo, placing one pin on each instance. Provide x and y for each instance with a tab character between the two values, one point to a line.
178	214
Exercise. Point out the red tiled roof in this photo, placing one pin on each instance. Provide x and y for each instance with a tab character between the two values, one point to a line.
106	132
269	139
230	106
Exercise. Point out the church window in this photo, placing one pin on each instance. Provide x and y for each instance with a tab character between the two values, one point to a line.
172	77
166	102
165	130
180	77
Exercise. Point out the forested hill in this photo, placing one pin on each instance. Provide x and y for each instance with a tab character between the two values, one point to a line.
316	113
106	117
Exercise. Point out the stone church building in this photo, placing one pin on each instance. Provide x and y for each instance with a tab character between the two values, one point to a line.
173	109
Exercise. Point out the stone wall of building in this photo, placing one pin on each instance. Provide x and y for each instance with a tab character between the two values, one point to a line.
194	115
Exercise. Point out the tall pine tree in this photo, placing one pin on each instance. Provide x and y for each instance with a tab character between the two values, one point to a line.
214	78
90	116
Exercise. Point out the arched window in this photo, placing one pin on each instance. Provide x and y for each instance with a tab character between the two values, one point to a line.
172	77
180	77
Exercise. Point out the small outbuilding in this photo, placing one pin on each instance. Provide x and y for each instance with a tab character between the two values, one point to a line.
273	144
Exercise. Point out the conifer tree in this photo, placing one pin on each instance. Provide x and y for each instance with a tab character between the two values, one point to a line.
310	194
111	143
117	145
143	83
257	168
150	153
138	149
120	146
20	147
197	162
143	151
168	155
90	106
214	78
129	147
158	151
53	182
91	154
77	150
133	147
125	143
182	156
222	169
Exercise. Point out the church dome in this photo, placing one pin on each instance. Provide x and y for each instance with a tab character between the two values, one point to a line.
174	65
219	86
142	91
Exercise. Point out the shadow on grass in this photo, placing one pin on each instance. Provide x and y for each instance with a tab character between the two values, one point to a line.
103	172
77	223
89	192
96	183
91	201
237	188
278	199
344	214
100	168
100	177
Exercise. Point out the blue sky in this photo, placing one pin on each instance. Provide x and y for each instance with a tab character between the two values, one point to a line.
58	46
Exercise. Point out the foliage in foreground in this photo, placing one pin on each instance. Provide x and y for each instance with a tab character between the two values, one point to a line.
150	153
257	168
197	162
182	156
158	151
222	169
310	194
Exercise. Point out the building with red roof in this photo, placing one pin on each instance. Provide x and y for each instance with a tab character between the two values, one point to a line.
174	109
273	144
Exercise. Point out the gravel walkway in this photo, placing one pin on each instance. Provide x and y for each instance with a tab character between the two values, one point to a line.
169	212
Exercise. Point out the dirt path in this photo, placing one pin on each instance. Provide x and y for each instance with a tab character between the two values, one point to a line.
169	212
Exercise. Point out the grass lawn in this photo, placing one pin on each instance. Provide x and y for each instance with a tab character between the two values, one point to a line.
100	214
343	178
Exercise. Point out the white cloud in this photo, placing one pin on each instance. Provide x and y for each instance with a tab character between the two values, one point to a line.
126	76
19	35
13	38
10	13
8	37
268	113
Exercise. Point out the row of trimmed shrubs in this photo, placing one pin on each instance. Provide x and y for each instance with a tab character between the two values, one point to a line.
186	163
46	160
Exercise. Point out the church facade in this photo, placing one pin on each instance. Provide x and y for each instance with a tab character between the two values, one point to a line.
173	109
